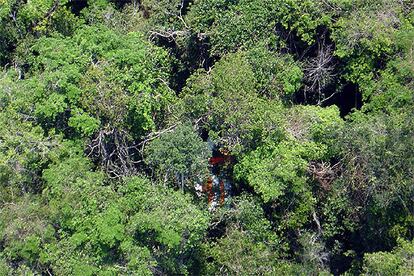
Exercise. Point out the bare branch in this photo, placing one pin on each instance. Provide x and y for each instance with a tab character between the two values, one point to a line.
319	72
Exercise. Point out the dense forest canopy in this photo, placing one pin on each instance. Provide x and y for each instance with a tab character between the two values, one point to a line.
206	137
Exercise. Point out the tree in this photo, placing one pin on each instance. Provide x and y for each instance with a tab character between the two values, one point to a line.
231	26
25	148
107	107
97	85
179	157
21	21
397	262
378	173
166	222
277	76
248	244
24	231
367	39
230	109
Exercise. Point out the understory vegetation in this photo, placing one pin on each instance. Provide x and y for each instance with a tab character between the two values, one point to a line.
109	110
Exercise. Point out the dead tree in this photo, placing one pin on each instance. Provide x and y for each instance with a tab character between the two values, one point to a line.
319	73
114	151
324	173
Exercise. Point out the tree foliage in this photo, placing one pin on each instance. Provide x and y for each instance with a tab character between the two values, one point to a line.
206	137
